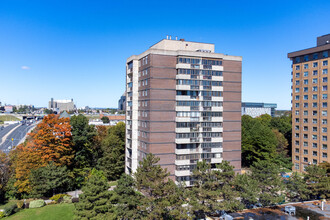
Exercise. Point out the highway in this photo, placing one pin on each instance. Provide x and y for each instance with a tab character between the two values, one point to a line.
15	137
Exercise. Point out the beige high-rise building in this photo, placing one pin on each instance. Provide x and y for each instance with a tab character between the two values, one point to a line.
183	105
310	104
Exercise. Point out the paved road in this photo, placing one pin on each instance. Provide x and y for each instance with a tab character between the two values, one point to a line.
6	129
17	135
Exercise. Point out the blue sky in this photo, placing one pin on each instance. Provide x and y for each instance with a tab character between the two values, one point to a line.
77	49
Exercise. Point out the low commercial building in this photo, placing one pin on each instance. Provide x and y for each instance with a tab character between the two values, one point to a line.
255	109
61	105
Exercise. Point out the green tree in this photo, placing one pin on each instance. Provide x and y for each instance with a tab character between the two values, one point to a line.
113	147
105	120
269	182
127	200
248	189
205	191
86	155
284	125
296	188
94	203
159	190
258	141
225	176
49	180
318	182
5	173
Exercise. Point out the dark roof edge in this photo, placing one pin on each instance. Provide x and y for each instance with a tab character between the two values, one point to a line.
309	50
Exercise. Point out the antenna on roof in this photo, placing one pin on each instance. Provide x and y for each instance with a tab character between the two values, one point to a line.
166	37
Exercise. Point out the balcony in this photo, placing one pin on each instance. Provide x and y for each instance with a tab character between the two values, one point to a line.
194	140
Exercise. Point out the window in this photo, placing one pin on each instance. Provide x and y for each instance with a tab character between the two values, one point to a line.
306	81
306	73
297	82
297	105
324	96
305	152
324	88
305	105
297	90
305	112
306	66
315	64
297	157
314	137
314	121
297	67
324	113
297	112
297	97
314	96
314	161
325	54
325	79
314	104
324	130
296	135
305	128
324	138
324	104
297	127
297	75
314	153
305	89
297	143
324	146
305	144
315	80
324	121
314	89
297	120
297	150
314	129
315	56
305	136
305	120
314	113
305	97
306	58
296	166
324	155
325	71
297	59
305	159
325	63
314	145
314	72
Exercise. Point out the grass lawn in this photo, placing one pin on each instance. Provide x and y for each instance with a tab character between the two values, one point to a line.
49	212
8	118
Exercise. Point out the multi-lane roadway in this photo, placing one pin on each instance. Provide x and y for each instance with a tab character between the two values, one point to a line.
12	135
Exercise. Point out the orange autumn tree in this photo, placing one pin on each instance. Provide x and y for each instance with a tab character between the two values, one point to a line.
50	141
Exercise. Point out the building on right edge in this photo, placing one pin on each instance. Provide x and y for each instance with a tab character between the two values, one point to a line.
310	91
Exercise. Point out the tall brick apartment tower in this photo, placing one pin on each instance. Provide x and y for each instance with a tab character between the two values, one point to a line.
183	105
310	91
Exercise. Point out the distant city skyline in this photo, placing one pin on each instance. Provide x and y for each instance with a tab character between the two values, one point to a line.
78	49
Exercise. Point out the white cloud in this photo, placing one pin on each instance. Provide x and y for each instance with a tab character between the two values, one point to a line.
25	67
